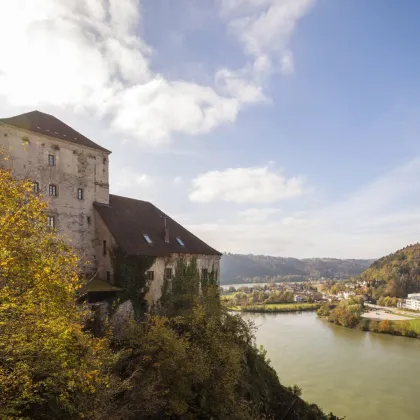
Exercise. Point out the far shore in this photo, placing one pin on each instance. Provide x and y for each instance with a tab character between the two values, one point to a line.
277	307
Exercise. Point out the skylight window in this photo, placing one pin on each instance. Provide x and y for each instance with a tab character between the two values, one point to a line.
147	238
180	241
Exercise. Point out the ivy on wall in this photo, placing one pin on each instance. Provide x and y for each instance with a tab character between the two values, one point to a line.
186	289
130	275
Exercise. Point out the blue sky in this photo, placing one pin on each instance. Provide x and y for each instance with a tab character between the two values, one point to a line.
283	127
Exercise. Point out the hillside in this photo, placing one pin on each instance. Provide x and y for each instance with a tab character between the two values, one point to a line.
238	268
399	272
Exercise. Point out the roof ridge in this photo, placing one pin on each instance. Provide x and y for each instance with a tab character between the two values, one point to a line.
128	218
131	198
49	125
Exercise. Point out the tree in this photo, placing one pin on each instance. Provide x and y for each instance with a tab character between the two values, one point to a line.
49	367
385	326
373	326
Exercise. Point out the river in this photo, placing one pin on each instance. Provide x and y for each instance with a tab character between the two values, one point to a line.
352	373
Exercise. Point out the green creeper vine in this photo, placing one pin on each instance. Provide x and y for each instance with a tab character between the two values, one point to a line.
181	293
130	275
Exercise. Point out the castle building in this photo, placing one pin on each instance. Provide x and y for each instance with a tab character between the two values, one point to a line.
72	173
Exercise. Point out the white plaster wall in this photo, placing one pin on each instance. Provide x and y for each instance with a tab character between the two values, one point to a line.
76	167
211	262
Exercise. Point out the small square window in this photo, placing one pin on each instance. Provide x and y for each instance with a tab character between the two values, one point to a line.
147	238
150	275
35	187
180	241
204	273
104	247
51	222
52	190
88	220
168	273
80	193
51	160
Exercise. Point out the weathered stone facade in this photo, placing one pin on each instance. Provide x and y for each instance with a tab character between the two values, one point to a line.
71	173
75	167
105	270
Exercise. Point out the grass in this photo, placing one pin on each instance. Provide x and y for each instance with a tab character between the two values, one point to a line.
228	296
415	324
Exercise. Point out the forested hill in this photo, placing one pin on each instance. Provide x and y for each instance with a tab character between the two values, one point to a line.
238	268
399	271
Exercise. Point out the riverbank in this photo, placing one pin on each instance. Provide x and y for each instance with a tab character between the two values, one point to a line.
277	308
353	315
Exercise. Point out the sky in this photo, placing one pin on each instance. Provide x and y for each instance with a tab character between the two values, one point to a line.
279	127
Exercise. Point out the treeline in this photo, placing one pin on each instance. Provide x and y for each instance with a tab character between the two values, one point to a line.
189	358
399	272
262	297
387	301
280	308
238	268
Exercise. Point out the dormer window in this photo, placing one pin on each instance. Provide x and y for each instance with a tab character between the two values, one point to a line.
147	238
180	241
51	160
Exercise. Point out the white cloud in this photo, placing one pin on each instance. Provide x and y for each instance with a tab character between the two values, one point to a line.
257	214
156	109
376	219
240	85
286	63
177	180
264	27
128	179
86	55
245	185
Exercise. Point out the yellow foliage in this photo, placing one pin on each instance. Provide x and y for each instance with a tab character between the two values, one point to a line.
45	356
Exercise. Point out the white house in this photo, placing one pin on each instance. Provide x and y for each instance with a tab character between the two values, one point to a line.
412	302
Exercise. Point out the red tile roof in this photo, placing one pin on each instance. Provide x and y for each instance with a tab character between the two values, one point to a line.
46	124
128	219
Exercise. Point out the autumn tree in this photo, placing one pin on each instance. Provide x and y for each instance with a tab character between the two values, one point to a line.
385	326
49	367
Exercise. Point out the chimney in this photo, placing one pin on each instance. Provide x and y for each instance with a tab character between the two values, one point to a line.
165	231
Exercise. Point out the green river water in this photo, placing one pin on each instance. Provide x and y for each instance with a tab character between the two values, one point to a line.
349	372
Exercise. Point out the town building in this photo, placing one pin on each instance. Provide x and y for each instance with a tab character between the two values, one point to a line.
412	302
72	173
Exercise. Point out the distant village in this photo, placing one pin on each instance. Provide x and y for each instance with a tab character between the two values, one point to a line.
323	290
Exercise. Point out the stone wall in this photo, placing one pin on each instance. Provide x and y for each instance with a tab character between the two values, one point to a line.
210	262
75	167
103	262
